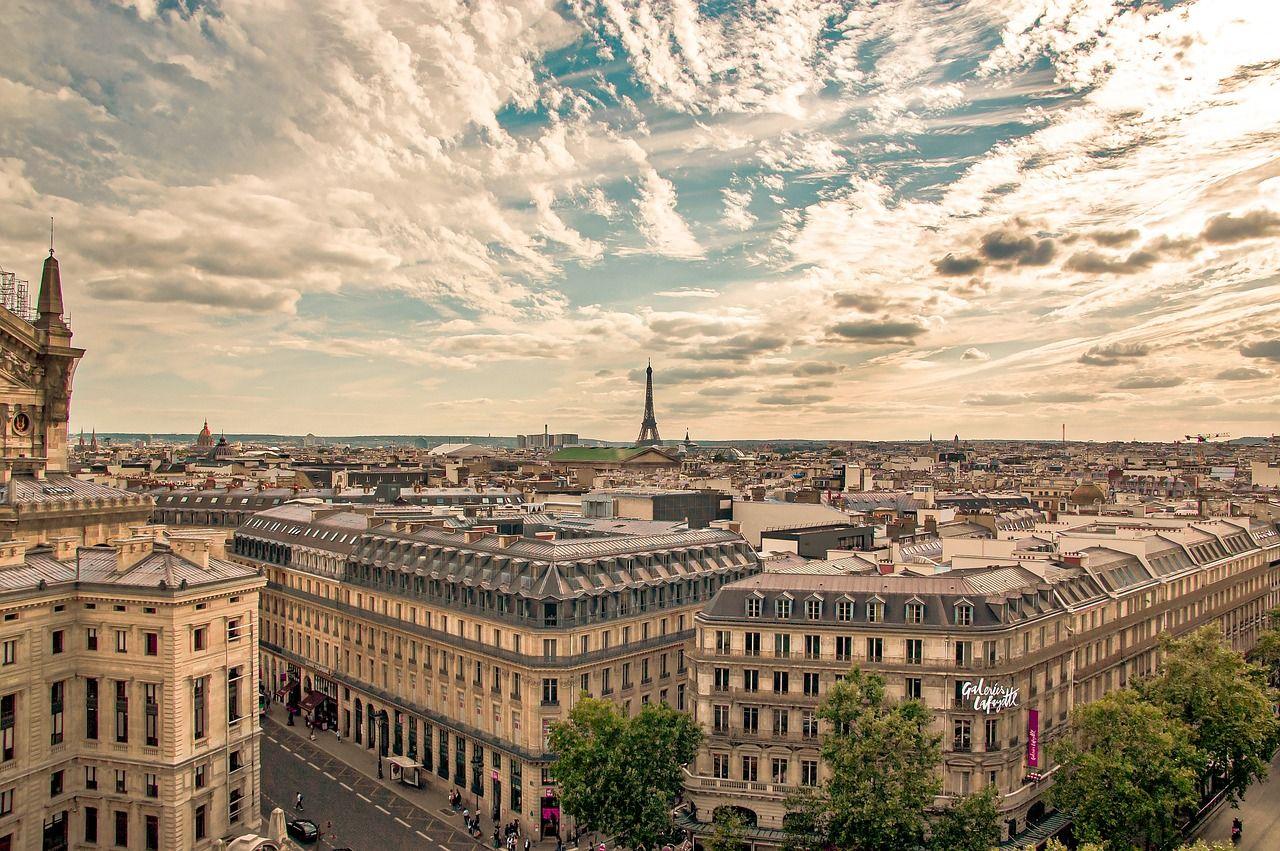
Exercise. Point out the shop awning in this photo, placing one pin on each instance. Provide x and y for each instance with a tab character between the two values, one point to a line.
312	700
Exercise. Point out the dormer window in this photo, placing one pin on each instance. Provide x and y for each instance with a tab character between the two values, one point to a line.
754	605
915	612
875	611
964	614
844	610
782	607
813	609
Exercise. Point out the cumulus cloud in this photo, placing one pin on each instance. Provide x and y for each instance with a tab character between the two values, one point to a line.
736	215
1242	373
1009	245
953	265
1111	354
1149	382
1265	349
662	227
875	331
975	354
1226	228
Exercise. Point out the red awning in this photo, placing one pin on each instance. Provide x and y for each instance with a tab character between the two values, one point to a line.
312	700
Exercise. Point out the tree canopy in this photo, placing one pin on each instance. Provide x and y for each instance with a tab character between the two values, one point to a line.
970	824
1127	771
620	776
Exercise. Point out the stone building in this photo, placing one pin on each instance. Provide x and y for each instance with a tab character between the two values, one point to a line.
459	648
1000	653
127	671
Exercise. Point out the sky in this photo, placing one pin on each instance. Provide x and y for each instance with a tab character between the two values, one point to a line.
846	220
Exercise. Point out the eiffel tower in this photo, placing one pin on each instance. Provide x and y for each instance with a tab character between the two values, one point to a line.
648	426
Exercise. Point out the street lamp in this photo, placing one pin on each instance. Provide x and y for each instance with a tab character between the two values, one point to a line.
381	715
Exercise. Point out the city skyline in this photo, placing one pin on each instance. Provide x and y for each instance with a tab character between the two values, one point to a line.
818	221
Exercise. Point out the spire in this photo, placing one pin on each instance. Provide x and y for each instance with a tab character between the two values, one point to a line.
50	304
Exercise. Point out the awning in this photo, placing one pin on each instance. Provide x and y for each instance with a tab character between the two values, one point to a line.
283	691
312	700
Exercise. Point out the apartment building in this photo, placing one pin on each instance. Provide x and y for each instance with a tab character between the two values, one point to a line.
1001	653
458	648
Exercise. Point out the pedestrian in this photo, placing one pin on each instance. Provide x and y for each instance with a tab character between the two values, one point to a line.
495	838
466	815
559	844
526	843
297	802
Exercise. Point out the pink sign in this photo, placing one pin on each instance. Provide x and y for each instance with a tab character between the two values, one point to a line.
1033	738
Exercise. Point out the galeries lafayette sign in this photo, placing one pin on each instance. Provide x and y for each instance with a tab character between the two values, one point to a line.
989	697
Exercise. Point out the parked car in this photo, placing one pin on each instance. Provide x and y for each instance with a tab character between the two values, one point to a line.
303	830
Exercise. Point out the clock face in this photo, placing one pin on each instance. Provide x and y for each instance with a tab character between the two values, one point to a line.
21	424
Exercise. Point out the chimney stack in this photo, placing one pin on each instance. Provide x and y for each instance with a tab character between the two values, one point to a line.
64	547
130	551
13	553
193	548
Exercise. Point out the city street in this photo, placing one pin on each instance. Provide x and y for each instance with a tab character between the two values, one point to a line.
365	814
1260	812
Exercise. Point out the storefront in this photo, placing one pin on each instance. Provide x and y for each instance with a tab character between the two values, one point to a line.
550	808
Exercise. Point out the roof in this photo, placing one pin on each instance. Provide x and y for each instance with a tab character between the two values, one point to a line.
66	490
604	454
97	565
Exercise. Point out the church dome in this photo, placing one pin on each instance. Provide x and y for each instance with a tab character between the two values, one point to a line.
1087	493
206	437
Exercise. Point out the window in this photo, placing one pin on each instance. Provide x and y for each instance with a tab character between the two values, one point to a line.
913	688
751	719
751	680
844	648
91	638
6	802
57	636
151	713
91	825
550	692
781	682
153	786
750	769
962	735
875	611
719	766
720	718
200	638
200	706
122	781
809	724
993	734
55	783
91	709
202	776
751	644
813	609
233	629
781	645
235	762
233	805
844	610
964	614
151	643
202	827
122	641
57	691
153	833
964	654
915	613
91	777
778	770
782	607
813	646
875	649
233	693
122	711
808	772
11	651
722	642
811	684
122	828
721	679
754	605
8	723
781	722
915	651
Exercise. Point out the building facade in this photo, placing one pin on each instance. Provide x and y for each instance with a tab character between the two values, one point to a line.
459	648
1000	653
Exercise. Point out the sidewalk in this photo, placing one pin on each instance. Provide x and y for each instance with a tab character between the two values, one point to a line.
428	799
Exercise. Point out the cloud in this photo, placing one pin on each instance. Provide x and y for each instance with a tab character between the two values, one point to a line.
796	399
662	227
688	292
975	354
1111	354
1113	238
1004	400
1015	247
813	368
1095	263
1242	373
864	301
1265	349
953	265
895	331
1225	228
1149	382
736	215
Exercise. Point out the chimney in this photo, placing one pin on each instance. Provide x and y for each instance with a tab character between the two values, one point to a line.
13	553
193	548
130	551
885	568
64	547
545	536
505	541
473	535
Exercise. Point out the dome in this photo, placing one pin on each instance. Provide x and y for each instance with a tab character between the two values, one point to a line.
1087	493
205	437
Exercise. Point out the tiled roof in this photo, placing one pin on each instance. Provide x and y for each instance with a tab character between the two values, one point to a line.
97	565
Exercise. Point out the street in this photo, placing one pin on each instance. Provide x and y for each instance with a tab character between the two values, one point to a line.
365	815
1260	812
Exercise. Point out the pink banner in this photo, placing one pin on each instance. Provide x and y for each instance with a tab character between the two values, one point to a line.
1033	738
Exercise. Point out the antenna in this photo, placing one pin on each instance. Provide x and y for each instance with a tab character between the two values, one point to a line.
51	236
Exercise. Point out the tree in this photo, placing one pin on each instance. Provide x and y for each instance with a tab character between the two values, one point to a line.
619	776
727	835
1266	652
1128	771
970	824
1225	702
882	759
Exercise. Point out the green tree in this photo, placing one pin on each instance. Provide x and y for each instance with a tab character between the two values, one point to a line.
1225	702
727	835
882	758
1266	652
1128	771
619	776
970	824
